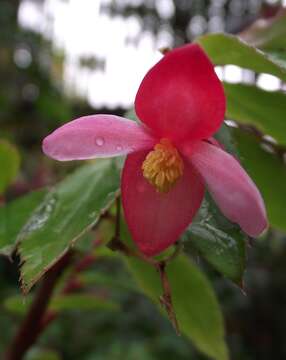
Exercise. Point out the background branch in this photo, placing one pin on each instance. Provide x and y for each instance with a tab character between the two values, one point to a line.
31	326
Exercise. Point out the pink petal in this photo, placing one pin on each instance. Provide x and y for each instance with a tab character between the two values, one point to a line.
181	96
230	186
156	220
96	136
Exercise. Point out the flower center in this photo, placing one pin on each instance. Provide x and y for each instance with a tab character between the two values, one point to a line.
163	166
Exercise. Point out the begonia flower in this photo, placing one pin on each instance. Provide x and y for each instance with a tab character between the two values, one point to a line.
170	155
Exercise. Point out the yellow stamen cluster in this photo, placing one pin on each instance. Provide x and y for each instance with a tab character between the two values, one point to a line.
163	166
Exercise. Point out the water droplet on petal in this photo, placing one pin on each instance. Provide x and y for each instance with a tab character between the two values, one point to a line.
119	148
99	141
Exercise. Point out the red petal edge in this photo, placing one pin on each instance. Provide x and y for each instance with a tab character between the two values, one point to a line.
181	96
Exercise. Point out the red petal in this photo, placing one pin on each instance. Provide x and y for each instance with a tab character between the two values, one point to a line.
232	189
96	136
157	220
181	96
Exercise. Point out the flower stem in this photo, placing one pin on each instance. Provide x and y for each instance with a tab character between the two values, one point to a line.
166	298
116	244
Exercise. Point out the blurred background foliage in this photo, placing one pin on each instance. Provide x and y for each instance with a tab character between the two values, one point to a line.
110	319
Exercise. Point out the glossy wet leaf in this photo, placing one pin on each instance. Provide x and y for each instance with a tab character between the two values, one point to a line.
67	213
263	109
219	241
13	217
225	138
212	235
224	49
9	164
269	174
195	303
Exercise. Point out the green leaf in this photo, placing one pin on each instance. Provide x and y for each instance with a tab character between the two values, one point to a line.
13	216
81	302
113	281
219	241
226	49
195	303
37	353
279	56
67	213
105	252
9	164
20	305
224	136
269	174
263	109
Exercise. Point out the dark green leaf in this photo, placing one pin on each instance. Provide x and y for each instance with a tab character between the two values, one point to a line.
13	216
226	49
68	212
263	109
224	136
37	353
107	280
214	237
195	303
9	164
219	241
81	302
268	172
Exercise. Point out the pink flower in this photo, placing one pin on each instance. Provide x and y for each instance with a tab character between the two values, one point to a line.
170	160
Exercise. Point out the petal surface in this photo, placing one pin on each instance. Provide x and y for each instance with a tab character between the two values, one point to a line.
96	136
234	192
181	96
156	220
